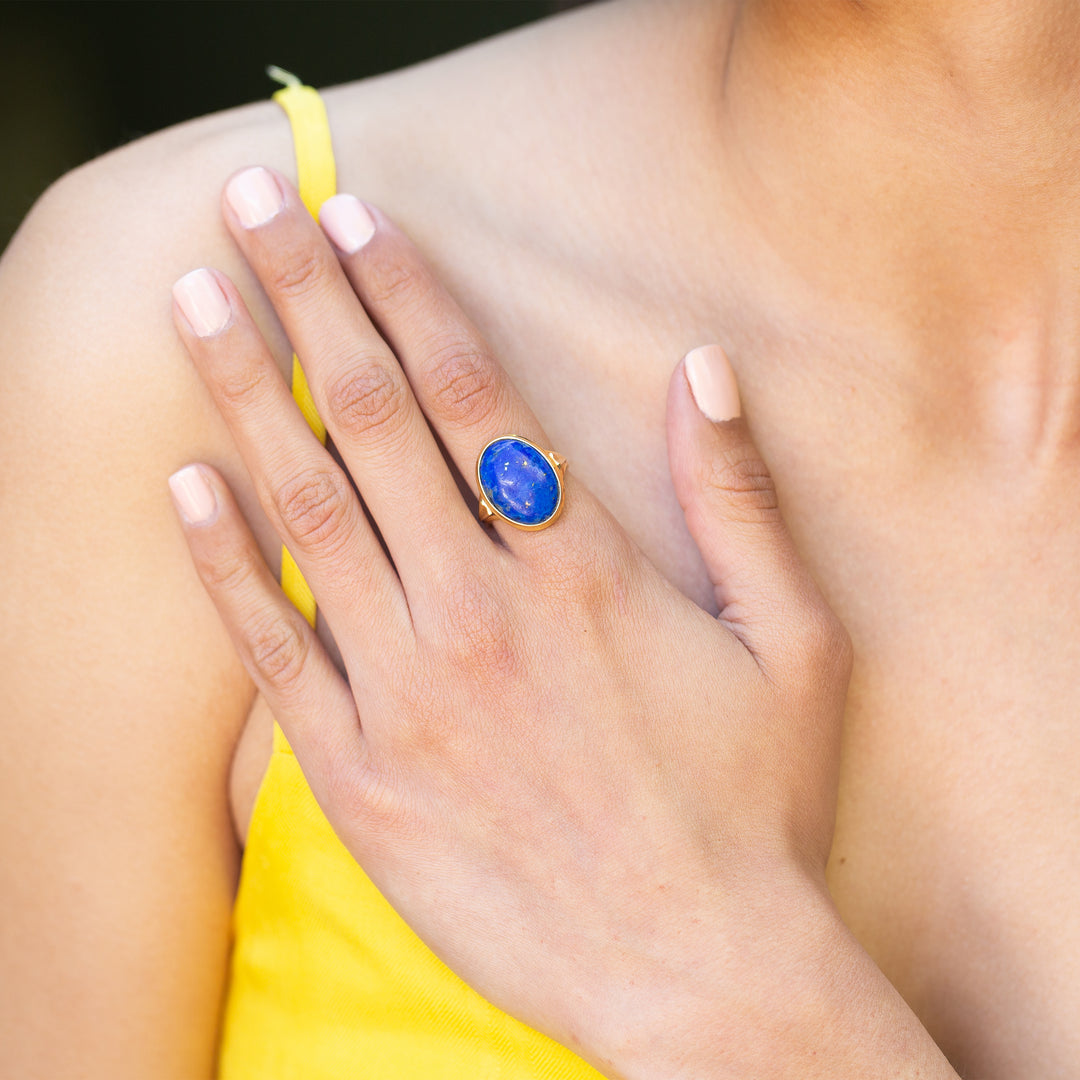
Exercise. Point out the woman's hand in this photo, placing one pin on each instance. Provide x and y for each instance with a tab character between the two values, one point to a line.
607	810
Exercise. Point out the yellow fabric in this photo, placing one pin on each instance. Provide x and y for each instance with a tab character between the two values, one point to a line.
316	182
327	982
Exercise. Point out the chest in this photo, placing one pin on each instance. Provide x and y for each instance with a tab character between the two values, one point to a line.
958	825
955	859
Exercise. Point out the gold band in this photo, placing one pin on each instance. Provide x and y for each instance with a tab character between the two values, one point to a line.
520	483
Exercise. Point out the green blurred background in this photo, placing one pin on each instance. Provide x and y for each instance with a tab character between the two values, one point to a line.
80	78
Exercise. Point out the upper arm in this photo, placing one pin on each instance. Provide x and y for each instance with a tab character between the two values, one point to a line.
121	699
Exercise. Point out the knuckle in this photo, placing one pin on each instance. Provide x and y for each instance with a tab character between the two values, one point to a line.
299	274
278	649
461	381
369	799
478	632
226	567
390	283
412	689
428	728
314	506
435	729
823	645
367	398
239	383
838	647
595	580
740	479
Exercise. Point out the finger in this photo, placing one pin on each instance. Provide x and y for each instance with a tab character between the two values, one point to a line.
358	385
307	497
763	590
462	389
281	652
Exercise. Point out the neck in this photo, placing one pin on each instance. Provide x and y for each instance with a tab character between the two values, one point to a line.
1014	36
913	166
1004	52
1006	70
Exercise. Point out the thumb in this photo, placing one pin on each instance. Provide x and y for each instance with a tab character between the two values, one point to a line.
763	591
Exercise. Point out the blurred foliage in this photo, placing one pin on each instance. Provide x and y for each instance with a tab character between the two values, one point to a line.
82	78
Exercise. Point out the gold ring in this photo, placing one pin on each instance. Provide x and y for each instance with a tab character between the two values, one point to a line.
520	483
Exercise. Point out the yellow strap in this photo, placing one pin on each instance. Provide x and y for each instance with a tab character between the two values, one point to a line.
316	182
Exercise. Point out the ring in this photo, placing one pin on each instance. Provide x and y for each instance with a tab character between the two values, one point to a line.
520	483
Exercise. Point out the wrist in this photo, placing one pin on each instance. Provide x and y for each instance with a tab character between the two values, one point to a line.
778	988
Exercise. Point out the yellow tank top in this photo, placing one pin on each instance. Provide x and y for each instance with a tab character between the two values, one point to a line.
327	982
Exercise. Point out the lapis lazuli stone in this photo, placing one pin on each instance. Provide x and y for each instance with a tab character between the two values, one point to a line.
519	481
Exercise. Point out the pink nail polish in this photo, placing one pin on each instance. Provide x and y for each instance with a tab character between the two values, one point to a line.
193	495
346	221
254	196
203	303
712	383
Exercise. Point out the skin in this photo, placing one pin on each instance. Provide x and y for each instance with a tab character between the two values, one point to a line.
463	796
901	317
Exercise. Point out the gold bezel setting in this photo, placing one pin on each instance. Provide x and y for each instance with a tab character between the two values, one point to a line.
489	512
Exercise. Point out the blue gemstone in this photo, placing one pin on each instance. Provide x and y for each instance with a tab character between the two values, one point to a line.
519	481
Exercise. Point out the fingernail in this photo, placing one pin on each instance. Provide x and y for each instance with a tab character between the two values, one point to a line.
712	383
347	222
203	303
254	196
193	495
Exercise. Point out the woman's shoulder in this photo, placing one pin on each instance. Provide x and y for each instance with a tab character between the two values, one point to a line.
518	116
453	94
85	309
86	332
123	698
